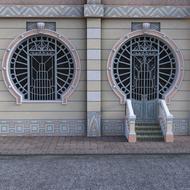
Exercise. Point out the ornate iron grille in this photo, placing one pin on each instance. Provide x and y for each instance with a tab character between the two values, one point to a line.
144	68
42	68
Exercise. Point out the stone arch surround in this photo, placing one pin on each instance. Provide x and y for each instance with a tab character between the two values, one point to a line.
10	50
163	38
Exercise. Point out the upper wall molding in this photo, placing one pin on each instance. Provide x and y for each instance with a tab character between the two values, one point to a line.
94	10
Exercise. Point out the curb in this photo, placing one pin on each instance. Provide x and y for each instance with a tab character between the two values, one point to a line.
92	154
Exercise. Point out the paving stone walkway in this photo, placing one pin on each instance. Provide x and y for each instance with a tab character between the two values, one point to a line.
84	145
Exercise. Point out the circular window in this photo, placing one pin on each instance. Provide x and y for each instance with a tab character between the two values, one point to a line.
144	67
42	68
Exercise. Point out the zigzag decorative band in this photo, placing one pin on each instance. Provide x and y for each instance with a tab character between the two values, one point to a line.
95	10
41	11
147	11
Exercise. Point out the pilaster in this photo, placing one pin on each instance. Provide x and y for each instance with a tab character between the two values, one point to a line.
93	12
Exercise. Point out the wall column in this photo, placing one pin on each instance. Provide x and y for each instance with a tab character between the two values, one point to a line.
93	11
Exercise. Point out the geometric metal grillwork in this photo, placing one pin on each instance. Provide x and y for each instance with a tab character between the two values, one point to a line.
144	66
42	68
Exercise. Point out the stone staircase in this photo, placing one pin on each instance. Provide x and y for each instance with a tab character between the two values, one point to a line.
149	132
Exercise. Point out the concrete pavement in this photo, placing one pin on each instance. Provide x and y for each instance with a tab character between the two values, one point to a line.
122	172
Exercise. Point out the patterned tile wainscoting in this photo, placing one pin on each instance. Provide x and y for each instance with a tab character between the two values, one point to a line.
181	127
42	127
116	127
112	127
73	127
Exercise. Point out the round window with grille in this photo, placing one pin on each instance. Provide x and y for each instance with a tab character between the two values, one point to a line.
144	67
42	68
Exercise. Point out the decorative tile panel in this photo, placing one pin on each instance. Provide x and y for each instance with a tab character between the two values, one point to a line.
113	127
72	128
181	127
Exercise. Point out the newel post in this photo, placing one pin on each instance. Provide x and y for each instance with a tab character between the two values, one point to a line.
130	123
169	136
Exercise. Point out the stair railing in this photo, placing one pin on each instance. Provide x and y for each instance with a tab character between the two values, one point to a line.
130	118
166	121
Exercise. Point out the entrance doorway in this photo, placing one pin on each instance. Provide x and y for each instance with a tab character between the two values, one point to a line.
144	69
145	86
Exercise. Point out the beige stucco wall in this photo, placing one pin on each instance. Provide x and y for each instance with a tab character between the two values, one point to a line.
75	31
178	31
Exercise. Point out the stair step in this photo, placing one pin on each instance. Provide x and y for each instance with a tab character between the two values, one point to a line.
153	139
148	129
149	132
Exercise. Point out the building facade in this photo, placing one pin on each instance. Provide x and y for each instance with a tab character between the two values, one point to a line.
95	68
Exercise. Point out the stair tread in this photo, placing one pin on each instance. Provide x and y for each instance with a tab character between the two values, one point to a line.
150	140
148	136
146	128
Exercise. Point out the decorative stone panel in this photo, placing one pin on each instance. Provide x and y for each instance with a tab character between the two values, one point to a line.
94	124
94	10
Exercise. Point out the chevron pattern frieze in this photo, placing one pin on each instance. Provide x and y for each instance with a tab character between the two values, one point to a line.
41	10
93	10
147	11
